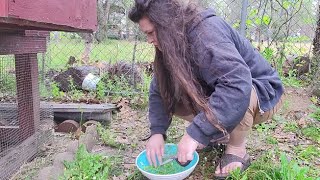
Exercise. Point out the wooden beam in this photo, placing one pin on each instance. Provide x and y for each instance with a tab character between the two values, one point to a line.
11	24
4	8
27	93
79	14
19	44
80	107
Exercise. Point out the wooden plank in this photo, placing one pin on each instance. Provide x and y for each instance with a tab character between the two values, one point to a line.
4	8
55	105
9	110
80	14
19	44
13	24
77	111
36	33
79	107
28	99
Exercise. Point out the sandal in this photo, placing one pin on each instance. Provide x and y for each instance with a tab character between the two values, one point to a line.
229	158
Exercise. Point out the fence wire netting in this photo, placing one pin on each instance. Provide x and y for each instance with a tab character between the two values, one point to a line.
116	60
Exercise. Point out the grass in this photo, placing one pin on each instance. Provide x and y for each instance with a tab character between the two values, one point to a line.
110	51
316	113
87	166
108	138
298	48
312	133
307	153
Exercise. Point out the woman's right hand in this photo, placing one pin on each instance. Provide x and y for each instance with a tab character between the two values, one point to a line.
155	149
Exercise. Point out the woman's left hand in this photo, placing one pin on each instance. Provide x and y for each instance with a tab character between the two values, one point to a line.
186	147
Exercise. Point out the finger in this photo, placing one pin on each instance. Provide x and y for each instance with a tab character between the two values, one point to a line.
159	156
149	157
179	156
153	158
162	151
183	159
189	156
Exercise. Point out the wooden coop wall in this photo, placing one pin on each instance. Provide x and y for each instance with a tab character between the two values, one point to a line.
20	132
77	14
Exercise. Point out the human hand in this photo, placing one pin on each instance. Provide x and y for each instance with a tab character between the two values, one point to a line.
155	149
186	148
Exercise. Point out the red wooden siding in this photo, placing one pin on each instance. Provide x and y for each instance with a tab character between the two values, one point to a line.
80	14
4	8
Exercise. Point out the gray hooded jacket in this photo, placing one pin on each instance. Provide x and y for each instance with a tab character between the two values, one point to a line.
229	67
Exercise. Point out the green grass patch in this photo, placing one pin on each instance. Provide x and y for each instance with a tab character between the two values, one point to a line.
271	140
87	166
290	126
266	127
265	168
108	138
308	153
108	51
291	81
316	113
312	133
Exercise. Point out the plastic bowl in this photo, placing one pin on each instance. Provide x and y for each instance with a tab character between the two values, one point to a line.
142	162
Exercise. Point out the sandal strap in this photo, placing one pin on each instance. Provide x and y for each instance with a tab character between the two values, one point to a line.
229	158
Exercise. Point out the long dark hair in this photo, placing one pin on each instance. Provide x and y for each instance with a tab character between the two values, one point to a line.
173	64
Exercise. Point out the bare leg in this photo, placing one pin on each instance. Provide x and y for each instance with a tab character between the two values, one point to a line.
238	137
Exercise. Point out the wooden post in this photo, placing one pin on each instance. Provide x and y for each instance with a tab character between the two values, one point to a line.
27	93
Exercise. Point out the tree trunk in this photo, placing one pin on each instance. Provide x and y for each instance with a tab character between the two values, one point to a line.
103	15
316	57
88	40
316	40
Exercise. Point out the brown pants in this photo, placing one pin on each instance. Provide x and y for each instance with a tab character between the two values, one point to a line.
251	117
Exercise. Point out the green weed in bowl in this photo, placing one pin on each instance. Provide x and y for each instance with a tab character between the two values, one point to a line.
169	168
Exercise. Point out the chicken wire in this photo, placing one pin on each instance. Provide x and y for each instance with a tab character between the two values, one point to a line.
282	30
21	134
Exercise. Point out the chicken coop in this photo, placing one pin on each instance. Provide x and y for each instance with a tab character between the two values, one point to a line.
25	26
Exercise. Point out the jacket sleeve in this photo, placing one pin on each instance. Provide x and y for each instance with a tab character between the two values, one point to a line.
226	73
158	117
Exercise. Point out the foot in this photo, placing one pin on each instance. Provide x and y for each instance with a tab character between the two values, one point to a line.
236	151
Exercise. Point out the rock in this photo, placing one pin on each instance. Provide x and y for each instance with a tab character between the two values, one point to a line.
67	126
93	131
302	64
45	174
299	63
88	140
73	147
58	162
316	90
87	124
56	172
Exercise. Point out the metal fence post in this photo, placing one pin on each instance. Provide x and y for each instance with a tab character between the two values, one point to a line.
134	58
244	14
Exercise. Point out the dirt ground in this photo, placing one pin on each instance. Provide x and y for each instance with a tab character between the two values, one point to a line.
131	127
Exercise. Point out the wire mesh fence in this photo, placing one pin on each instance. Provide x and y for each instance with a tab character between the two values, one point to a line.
21	133
281	30
116	60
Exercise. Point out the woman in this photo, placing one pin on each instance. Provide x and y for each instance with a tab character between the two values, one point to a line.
208	74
